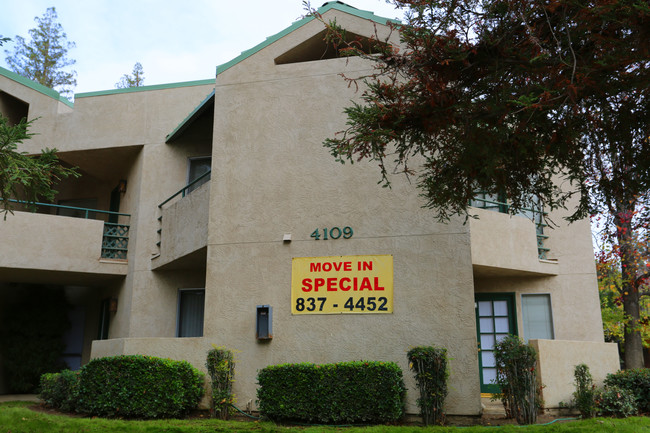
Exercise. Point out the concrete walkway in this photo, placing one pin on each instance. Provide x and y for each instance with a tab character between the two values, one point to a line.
19	397
492	407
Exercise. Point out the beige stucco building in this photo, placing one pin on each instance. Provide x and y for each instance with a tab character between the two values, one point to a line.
170	270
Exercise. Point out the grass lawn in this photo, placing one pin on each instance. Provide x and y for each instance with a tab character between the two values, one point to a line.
16	417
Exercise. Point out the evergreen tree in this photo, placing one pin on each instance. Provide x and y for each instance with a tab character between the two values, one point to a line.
136	79
29	178
44	58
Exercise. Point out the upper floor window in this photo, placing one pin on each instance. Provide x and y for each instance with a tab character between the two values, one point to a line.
198	167
13	108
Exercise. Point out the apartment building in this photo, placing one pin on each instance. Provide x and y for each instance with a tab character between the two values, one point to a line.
209	213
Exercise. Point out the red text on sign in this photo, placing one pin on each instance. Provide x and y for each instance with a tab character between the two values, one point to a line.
344	284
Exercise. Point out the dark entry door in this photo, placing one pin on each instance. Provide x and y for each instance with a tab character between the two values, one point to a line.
495	319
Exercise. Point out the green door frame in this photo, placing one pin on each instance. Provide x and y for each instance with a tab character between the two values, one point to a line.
512	328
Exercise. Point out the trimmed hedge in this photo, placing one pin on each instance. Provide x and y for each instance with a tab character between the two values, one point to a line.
59	390
137	386
637	381
346	392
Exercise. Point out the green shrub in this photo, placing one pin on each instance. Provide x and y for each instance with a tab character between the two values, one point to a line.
347	392
637	381
431	374
59	390
585	393
221	369
516	365
616	402
136	386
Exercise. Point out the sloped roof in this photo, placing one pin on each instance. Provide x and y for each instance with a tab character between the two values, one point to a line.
205	105
340	6
35	86
208	102
146	88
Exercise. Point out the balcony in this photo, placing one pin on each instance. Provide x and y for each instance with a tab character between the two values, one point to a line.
49	242
183	228
508	245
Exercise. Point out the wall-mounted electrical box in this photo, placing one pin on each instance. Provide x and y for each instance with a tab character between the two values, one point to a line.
264	322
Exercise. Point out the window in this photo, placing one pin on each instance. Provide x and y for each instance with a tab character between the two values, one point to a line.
104	319
13	108
190	312
537	317
197	167
493	202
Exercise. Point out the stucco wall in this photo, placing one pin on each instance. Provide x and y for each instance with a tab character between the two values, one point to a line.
184	226
502	243
271	176
141	117
43	109
557	361
54	243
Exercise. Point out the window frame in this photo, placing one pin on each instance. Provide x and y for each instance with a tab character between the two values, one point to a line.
178	311
189	171
524	322
104	324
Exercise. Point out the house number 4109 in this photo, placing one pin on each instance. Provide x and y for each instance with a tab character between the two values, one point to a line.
333	233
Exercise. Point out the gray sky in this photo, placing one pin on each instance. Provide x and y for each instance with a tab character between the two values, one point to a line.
173	40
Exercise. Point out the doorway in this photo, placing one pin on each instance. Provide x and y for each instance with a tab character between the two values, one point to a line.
495	319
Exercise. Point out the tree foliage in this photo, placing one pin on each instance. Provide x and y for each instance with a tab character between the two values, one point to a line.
136	79
29	178
536	100
44	58
612	292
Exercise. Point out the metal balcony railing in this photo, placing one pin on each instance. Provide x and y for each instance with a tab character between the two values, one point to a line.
115	240
182	192
188	188
536	215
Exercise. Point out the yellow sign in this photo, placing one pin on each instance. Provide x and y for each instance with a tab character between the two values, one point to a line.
342	284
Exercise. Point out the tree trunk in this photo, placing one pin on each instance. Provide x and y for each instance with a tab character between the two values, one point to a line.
633	344
633	347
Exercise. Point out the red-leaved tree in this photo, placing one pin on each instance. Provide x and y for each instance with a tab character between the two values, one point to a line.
540	100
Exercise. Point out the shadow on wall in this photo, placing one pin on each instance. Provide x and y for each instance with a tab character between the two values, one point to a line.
41	330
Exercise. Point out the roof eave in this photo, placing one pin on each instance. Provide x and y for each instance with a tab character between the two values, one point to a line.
297	24
191	118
